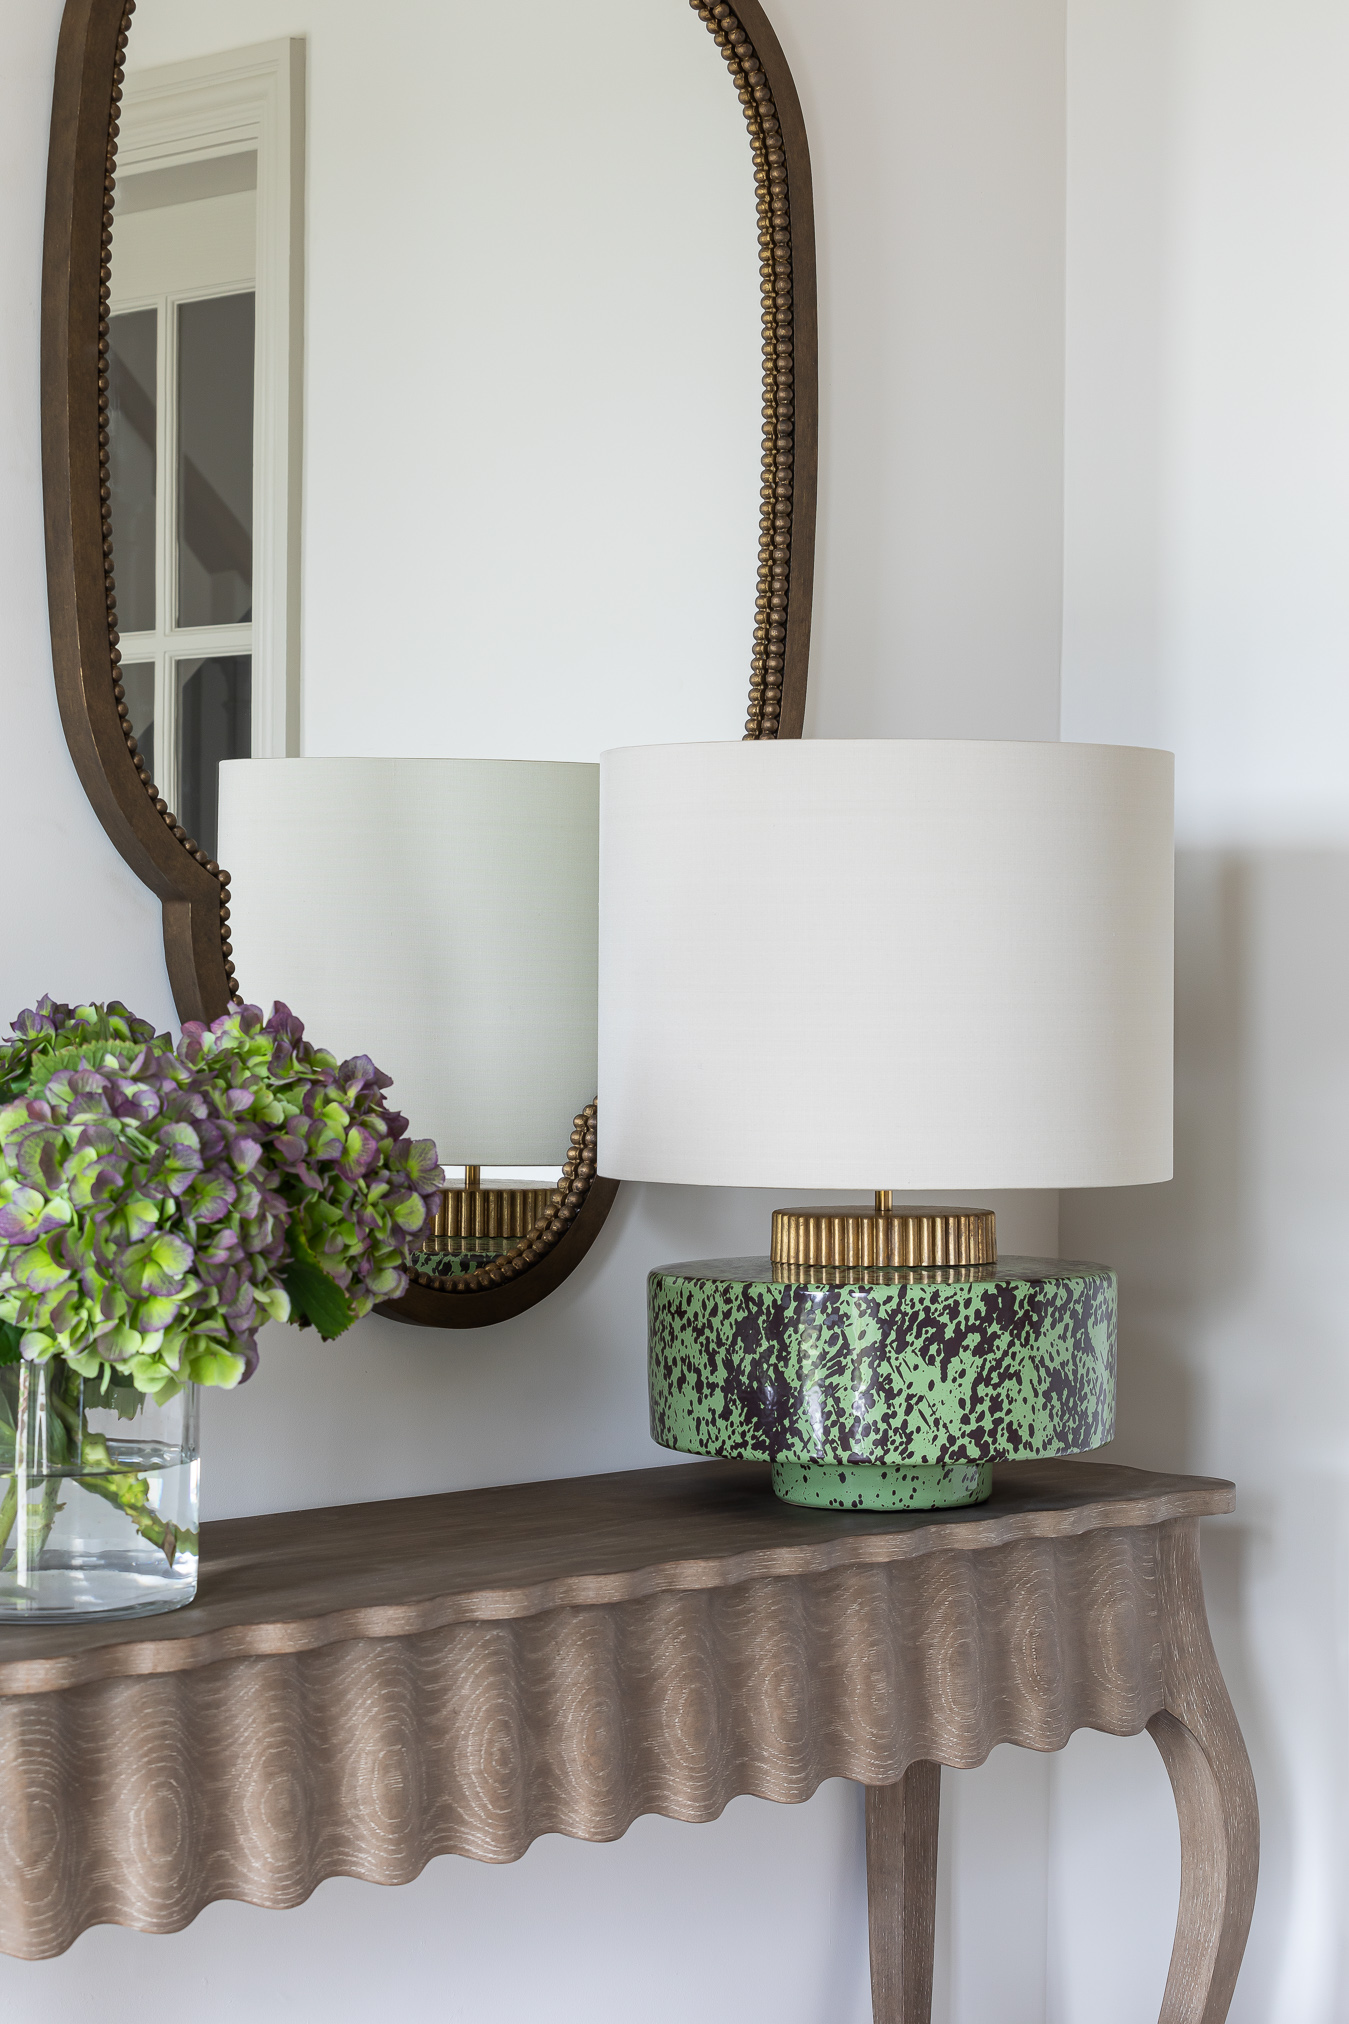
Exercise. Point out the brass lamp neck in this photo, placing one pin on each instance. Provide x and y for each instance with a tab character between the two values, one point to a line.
473	1214
865	1238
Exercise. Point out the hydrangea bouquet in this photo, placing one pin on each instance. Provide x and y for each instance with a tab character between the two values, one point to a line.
159	1201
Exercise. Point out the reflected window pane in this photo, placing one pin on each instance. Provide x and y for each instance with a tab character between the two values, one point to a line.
132	409
215	461
214	722
138	679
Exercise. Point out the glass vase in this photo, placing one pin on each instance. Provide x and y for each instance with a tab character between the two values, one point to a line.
98	1497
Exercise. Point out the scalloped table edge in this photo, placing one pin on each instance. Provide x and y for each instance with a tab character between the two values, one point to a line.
527	1562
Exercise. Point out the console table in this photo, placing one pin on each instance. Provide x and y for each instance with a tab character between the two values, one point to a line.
357	1690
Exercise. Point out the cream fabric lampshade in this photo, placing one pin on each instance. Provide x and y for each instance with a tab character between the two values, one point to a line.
439	915
902	964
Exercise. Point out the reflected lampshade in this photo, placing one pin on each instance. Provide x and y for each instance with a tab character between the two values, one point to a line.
439	915
903	964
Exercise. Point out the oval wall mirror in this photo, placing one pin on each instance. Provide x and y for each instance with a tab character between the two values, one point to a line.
429	402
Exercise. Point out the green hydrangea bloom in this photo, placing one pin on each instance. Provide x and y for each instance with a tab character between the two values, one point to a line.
160	1201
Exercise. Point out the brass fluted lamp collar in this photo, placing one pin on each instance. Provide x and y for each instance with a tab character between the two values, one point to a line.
853	1237
473	1218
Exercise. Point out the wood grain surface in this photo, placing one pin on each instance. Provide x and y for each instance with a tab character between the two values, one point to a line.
358	1691
298	1580
901	1828
1202	1748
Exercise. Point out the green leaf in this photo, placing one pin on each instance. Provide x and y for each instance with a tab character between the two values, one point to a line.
10	1338
317	1299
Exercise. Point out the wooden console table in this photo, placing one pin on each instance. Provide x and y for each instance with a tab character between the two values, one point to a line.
357	1690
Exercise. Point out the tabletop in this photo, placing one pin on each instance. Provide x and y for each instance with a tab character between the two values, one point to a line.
297	1580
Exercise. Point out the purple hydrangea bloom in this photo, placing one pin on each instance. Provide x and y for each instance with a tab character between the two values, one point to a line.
159	1202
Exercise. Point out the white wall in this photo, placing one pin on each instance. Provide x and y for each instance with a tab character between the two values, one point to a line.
933	127
937	137
1207	608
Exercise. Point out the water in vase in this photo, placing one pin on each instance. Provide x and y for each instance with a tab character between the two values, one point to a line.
99	1490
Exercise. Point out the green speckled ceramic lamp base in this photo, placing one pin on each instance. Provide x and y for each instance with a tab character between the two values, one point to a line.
873	1486
886	1389
476	1253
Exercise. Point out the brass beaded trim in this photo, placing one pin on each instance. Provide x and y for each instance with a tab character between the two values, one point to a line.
851	1238
775	540
775	287
169	819
564	1206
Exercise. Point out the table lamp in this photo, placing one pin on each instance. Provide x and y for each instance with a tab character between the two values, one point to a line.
439	915
904	966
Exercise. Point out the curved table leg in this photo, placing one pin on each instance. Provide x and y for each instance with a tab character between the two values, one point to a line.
1205	1756
902	1893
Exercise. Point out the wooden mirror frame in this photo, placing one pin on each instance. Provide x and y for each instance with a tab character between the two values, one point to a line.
193	889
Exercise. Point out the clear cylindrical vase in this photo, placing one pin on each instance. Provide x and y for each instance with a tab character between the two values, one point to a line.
98	1497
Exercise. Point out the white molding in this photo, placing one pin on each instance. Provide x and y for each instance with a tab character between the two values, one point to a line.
189	643
252	98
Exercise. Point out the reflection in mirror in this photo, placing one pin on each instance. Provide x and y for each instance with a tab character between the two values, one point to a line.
512	274
181	428
214	709
450	930
214	430
532	367
133	428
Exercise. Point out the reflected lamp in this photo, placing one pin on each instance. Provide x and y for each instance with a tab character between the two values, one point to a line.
439	915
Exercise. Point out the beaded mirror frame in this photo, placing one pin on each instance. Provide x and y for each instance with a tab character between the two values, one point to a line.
193	889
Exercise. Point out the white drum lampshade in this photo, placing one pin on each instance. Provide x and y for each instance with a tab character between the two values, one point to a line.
902	964
439	915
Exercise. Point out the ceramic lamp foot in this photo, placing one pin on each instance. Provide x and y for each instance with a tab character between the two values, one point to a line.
881	1486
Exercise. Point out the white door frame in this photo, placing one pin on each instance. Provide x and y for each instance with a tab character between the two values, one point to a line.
252	99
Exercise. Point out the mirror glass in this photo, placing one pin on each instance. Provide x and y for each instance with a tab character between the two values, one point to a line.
182	427
436	390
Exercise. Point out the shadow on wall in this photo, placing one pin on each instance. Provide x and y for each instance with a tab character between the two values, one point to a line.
1234	1358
